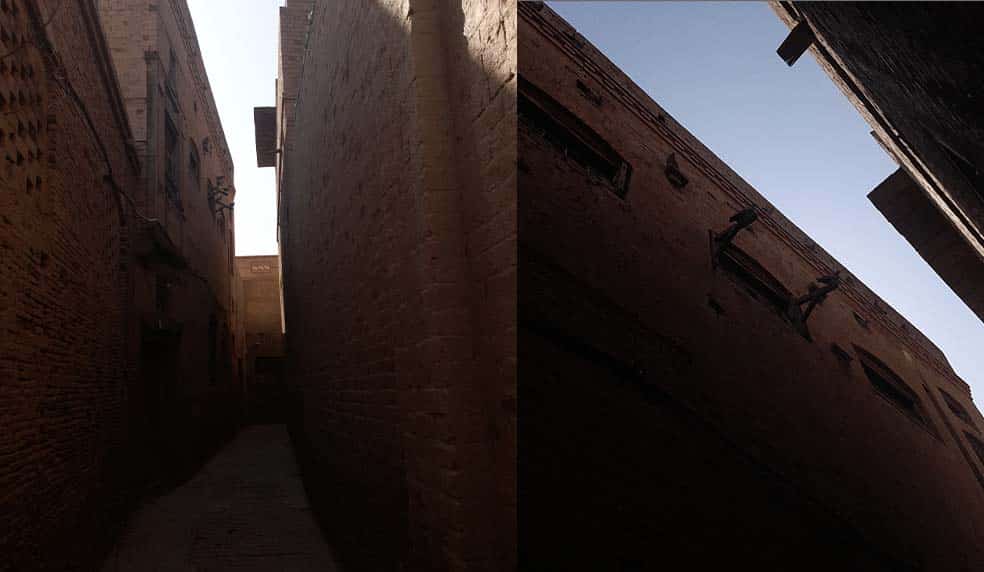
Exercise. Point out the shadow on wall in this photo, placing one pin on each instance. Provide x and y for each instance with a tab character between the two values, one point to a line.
400	295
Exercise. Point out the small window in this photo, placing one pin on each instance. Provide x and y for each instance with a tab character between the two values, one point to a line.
957	408
758	282
860	320
977	445
172	68
841	353
194	166
170	157
891	386
572	136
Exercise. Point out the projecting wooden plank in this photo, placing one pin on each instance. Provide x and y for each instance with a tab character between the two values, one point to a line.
796	43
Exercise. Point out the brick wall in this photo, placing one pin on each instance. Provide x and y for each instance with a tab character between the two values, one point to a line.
668	413
64	358
398	246
190	289
261	297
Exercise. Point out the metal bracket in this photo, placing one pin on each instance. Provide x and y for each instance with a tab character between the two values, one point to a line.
813	298
739	220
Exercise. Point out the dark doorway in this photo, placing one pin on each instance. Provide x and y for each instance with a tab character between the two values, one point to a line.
159	351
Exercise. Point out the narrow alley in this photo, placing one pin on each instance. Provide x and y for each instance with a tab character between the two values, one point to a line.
245	510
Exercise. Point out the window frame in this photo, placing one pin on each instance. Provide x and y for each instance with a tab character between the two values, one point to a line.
754	277
888	385
571	135
957	408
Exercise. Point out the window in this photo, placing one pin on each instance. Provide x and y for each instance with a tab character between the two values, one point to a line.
976	444
861	320
758	282
841	353
194	165
957	408
572	137
172	67
891	387
170	158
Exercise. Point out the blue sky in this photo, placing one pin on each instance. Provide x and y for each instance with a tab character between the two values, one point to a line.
790	133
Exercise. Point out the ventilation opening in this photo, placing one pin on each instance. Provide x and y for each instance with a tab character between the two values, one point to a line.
571	136
860	320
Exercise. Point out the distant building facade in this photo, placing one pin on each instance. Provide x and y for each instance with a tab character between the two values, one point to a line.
259	303
702	385
914	71
395	153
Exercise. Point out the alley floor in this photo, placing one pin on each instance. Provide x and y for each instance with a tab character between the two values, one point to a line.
245	510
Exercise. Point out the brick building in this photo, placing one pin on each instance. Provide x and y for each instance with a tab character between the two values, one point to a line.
913	71
184	281
700	388
260	305
68	222
395	152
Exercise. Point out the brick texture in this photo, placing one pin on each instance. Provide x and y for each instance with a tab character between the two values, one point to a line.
670	418
118	361
64	357
398	241
184	272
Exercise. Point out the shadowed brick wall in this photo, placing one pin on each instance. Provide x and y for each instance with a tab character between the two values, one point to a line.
185	331
398	246
259	302
671	415
64	292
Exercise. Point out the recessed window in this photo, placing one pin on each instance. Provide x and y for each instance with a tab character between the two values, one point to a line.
572	136
172	68
957	408
860	320
758	282
841	353
977	445
194	165
170	157
891	387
